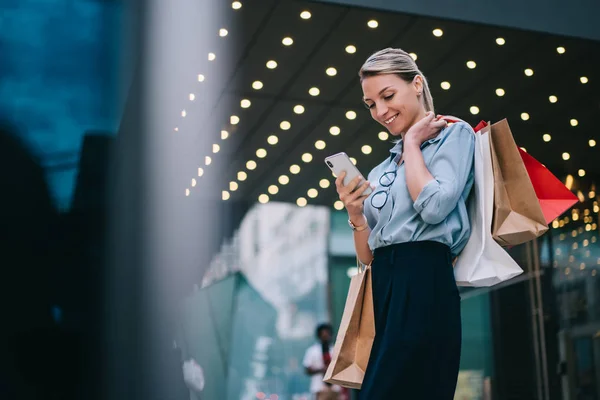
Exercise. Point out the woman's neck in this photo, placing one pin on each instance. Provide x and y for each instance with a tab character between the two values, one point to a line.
420	115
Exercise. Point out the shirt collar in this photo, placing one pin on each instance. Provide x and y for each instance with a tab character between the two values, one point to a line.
397	149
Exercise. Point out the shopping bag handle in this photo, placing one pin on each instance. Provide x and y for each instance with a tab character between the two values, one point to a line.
359	265
482	124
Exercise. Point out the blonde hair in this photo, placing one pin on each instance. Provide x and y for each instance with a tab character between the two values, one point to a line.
399	62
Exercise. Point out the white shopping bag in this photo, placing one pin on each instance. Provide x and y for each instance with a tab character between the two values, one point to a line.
483	262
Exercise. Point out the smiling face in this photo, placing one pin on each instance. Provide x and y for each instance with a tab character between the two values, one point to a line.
393	102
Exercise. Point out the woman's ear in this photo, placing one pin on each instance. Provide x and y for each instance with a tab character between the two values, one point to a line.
418	84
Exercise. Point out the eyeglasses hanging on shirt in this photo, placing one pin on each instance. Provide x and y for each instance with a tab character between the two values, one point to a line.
380	198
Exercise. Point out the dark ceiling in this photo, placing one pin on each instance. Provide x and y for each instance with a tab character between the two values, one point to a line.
320	42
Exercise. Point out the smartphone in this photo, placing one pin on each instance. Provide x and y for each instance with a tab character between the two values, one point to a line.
341	162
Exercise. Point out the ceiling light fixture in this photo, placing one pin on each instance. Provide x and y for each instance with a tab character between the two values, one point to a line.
261	153
372	24
251	165
263	198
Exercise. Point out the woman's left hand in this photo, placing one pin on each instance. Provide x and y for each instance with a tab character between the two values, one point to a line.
425	129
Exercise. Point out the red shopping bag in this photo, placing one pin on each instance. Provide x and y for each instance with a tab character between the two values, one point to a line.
553	195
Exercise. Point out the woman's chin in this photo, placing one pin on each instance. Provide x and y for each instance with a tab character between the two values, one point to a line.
395	130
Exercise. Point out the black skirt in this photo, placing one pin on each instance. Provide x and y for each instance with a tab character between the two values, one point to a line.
416	352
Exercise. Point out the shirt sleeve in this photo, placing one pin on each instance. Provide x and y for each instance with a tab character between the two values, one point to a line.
450	168
308	358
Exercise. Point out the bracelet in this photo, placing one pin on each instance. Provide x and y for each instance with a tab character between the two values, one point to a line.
358	228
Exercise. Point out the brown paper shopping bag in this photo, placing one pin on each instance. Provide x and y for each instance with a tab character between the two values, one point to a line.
355	336
518	216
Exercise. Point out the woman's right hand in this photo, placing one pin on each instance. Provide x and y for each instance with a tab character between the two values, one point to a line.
352	195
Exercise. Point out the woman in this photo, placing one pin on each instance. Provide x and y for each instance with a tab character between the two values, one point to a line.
410	228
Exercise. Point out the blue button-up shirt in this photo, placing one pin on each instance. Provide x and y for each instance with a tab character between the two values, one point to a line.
440	211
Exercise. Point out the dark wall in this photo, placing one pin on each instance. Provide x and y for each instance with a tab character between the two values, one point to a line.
577	18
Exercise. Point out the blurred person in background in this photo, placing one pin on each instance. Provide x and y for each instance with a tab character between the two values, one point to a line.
316	360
